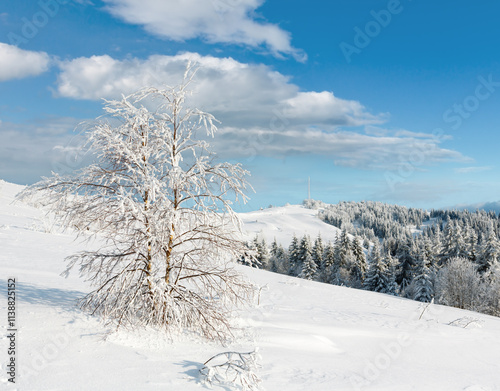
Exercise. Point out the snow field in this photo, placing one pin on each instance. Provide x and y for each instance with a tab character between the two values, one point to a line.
311	336
285	221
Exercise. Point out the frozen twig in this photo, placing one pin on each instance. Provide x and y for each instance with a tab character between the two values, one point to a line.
233	369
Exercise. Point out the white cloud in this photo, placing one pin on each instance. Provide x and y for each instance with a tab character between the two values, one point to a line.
468	170
16	63
215	21
378	131
345	148
262	112
236	93
314	107
36	148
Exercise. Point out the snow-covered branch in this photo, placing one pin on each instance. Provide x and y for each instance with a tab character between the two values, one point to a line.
162	209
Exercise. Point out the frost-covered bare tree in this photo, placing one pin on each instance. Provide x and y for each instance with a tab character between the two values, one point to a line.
459	285
161	207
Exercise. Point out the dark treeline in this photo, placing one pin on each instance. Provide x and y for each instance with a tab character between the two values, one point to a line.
449	256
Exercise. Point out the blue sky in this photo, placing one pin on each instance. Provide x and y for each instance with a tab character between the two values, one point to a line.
394	101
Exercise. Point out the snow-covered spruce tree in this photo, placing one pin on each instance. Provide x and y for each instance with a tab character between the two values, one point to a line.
490	251
262	253
309	268
359	264
328	269
305	249
428	250
471	244
376	276
344	260
318	251
275	248
293	257
161	207
423	286
406	262
279	259
343	251
390	275
298	254
454	244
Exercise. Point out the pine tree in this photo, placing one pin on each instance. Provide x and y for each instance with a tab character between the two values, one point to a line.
454	243
278	261
305	250
274	248
459	238
309	268
471	244
344	260
423	284
359	260
343	251
293	256
328	268
317	251
277	251
490	251
376	276
447	243
281	253
262	253
390	275
436	240
431	255
406	262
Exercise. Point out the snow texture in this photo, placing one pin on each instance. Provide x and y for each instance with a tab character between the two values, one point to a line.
311	336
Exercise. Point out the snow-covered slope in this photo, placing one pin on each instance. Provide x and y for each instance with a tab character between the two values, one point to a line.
283	222
311	336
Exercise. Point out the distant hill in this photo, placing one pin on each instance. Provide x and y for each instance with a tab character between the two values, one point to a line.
285	221
487	206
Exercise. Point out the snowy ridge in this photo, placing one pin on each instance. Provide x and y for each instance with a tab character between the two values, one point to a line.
311	336
285	221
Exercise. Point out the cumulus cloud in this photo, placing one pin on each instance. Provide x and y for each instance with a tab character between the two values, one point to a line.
238	94
215	21
314	107
16	63
262	112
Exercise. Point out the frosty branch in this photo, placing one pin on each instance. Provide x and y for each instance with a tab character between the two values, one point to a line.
161	208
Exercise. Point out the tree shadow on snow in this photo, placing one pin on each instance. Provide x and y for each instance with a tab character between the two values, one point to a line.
34	294
193	371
